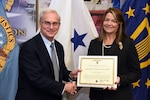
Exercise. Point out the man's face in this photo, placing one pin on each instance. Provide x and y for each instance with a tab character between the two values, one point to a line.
49	25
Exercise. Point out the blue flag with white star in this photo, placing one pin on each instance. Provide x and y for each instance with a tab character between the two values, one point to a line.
137	15
9	51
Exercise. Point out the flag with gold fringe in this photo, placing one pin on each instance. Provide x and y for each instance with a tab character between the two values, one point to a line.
137	16
9	51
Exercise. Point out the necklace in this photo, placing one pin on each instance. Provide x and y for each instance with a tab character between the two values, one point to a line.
106	46
103	45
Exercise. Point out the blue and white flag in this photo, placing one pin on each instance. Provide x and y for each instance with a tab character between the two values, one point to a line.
76	31
137	15
9	51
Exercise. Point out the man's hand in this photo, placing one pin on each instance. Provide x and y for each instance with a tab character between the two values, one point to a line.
74	73
71	87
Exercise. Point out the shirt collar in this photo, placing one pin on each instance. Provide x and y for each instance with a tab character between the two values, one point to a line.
46	41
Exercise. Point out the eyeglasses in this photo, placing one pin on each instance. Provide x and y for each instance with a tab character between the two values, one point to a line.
47	23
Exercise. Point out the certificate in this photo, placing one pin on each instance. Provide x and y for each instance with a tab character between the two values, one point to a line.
97	71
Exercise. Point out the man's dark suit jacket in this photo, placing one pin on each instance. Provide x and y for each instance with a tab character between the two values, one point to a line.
36	75
128	69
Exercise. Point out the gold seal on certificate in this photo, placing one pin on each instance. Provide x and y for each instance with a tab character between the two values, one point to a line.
97	71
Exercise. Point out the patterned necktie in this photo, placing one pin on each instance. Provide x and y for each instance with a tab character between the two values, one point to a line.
54	61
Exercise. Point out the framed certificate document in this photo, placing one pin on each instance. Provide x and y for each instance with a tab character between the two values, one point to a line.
97	71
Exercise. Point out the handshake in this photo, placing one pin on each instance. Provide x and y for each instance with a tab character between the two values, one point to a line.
71	87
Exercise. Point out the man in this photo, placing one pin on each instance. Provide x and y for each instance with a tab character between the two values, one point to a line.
37	79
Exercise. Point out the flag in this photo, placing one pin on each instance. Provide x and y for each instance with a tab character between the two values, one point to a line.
116	3
137	16
9	51
76	31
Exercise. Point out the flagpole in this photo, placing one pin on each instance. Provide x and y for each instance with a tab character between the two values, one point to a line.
37	12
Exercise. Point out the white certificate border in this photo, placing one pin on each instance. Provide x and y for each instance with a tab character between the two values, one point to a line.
115	58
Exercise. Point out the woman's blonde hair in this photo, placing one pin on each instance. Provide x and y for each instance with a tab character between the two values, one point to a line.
121	33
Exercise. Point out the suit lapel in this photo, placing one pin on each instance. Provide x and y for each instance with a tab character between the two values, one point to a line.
43	49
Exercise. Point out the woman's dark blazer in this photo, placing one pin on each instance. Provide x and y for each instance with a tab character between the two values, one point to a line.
36	75
128	69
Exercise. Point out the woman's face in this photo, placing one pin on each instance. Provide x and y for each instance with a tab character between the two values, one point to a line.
110	24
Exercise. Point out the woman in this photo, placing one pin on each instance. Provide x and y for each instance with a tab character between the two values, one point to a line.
114	41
